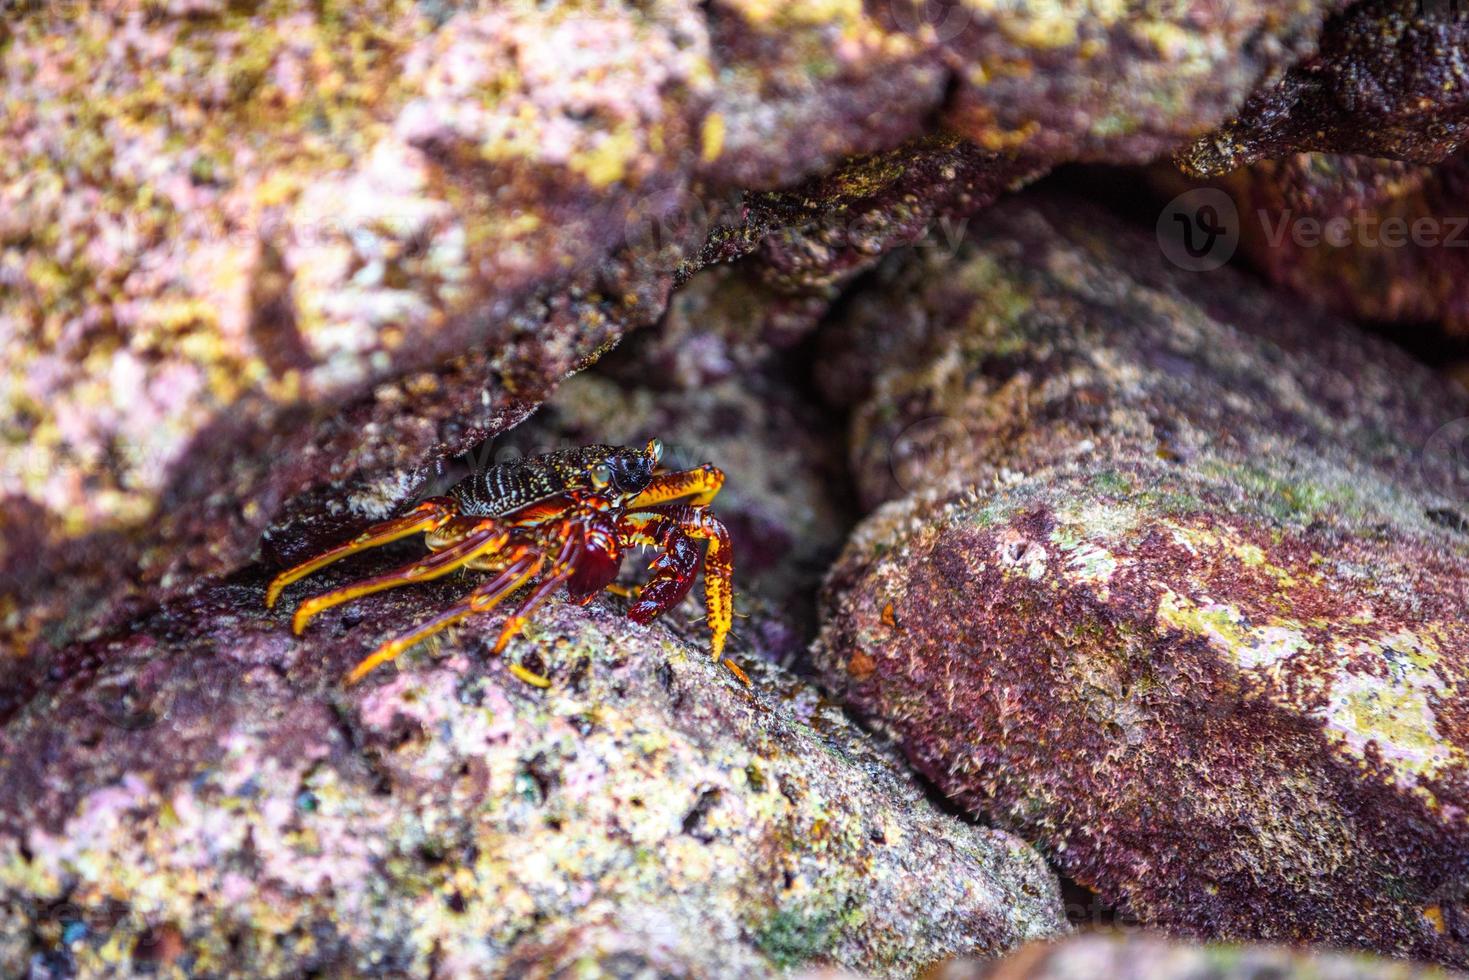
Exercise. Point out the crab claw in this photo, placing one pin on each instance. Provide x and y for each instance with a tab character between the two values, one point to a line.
674	572
597	563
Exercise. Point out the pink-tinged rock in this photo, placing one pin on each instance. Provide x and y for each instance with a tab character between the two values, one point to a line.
1145	956
1390	80
200	794
1171	580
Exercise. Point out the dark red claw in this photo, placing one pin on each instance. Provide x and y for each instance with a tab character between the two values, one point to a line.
674	572
597	563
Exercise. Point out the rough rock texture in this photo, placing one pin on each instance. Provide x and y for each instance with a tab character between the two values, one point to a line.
1391	80
265	262
200	794
1140	956
1120	82
1377	239
783	498
1181	598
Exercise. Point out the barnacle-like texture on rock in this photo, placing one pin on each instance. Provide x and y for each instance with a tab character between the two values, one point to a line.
1143	956
1107	81
1391	80
1179	594
200	795
1378	239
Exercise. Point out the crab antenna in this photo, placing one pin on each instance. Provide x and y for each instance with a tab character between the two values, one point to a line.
655	449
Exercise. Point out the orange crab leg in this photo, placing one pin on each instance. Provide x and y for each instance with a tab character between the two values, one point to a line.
487	536
561	570
699	484
430	515
486	597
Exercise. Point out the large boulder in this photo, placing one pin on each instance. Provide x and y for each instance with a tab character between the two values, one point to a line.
200	794
1171	581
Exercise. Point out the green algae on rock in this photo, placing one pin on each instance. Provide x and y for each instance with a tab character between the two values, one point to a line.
200	794
1180	593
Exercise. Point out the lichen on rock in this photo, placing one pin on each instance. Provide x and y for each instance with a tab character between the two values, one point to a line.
1148	592
200	793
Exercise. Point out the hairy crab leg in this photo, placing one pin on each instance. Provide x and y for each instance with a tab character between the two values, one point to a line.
482	599
696	522
574	539
430	515
674	568
488	536
700	485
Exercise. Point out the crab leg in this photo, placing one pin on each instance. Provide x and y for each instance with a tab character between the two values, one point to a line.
485	537
699	485
562	569
521	570
430	515
696	522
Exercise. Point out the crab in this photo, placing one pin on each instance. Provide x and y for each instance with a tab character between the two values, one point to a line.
558	520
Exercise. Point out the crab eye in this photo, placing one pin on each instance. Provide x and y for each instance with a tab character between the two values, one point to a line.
601	475
655	449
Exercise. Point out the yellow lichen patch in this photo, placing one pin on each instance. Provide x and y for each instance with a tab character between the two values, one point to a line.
1384	696
1247	645
784	14
607	162
1222	538
711	138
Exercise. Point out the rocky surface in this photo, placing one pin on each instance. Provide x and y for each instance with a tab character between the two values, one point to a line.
269	262
201	794
1171	582
1381	240
1141	956
1391	79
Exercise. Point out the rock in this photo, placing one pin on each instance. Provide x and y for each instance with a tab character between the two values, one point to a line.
199	793
784	498
1141	956
1376	239
1171	583
1389	81
1072	81
262	260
